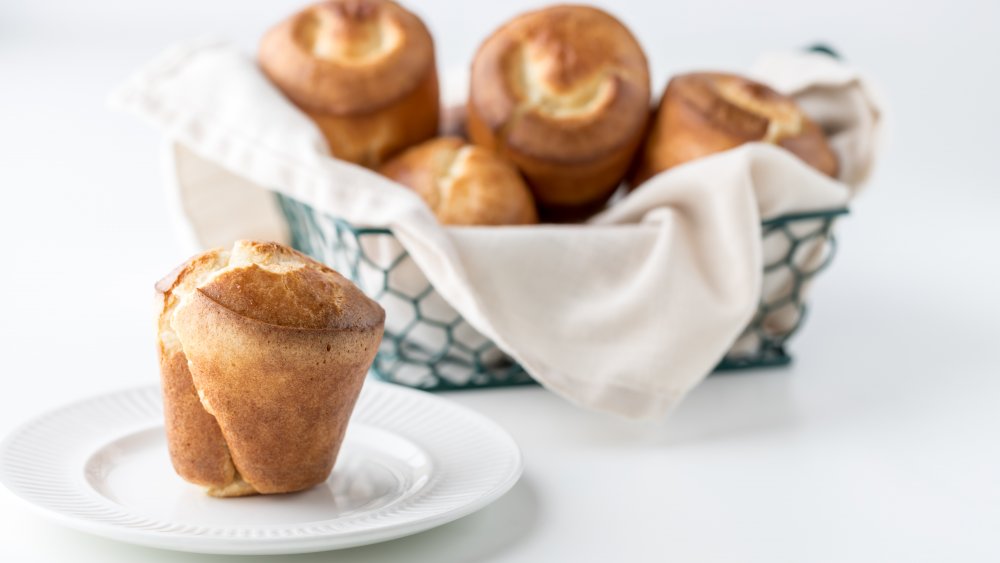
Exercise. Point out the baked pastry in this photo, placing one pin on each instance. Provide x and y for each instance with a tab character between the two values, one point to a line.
704	113
363	70
563	93
263	352
464	184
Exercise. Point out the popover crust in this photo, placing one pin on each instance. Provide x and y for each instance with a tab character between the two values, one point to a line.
363	70
564	93
464	184
263	352
704	113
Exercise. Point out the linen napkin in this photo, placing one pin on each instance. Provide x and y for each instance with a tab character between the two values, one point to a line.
624	315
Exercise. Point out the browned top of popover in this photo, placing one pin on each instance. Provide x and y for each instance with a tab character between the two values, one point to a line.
464	184
348	57
274	284
565	83
707	112
747	109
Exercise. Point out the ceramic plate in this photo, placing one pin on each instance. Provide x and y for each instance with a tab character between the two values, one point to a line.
410	462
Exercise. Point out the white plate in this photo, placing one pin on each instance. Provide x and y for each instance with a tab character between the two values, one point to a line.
410	462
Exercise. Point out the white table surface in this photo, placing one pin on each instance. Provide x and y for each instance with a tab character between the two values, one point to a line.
881	443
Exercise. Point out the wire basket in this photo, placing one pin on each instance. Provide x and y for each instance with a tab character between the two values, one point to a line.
429	345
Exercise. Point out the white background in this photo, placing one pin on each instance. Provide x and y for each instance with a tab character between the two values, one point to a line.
881	443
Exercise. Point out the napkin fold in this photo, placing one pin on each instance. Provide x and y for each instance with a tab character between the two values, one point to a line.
623	315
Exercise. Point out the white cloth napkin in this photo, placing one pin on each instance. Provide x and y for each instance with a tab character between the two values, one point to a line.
624	315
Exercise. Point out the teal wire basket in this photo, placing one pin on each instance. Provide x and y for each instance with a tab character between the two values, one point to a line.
429	345
797	247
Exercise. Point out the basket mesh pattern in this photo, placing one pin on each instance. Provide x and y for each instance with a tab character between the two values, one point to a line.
796	248
427	344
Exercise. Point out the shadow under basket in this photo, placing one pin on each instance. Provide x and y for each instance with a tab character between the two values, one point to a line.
429	345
